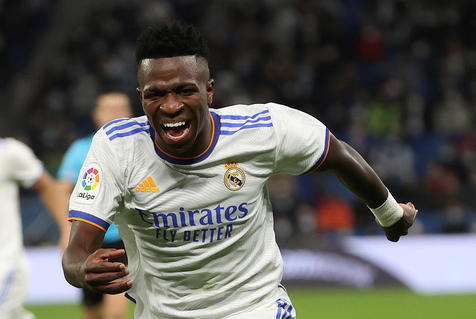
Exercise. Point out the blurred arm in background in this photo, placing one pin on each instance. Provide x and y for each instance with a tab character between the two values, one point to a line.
50	191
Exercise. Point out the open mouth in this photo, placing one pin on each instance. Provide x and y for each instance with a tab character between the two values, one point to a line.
176	131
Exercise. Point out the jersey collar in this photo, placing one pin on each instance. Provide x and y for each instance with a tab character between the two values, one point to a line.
215	118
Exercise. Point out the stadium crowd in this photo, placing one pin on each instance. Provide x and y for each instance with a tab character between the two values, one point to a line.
396	79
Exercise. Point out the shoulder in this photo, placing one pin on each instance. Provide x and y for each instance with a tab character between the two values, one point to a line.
15	147
265	115
122	134
12	143
269	111
241	118
125	128
119	138
242	109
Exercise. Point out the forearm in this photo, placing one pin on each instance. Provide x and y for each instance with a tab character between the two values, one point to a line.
73	261
362	180
85	264
52	196
357	175
85	240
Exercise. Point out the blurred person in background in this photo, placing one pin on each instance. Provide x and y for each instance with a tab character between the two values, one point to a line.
372	57
334	216
109	106
19	166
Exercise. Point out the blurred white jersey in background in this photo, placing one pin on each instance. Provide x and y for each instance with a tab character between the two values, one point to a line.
18	165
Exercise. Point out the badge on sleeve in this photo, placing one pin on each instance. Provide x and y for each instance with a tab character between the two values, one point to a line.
89	184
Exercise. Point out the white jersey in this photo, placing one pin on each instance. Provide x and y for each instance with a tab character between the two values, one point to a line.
18	165
199	231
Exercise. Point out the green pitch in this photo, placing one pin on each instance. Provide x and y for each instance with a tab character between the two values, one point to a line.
342	304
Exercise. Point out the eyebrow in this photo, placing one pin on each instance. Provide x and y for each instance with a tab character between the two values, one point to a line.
178	87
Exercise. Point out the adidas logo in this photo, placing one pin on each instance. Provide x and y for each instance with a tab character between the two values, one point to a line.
147	186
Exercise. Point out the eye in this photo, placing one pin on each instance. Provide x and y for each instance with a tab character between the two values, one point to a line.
152	94
187	91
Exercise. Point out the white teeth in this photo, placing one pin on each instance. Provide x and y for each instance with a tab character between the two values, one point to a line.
174	124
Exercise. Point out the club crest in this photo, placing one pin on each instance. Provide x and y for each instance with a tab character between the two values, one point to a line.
234	177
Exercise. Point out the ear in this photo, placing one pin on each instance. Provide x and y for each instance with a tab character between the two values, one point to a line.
210	91
139	93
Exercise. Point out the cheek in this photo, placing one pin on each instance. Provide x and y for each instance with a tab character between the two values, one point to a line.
202	109
149	107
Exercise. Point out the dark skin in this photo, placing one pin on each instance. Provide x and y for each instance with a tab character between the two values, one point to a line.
178	91
357	175
174	90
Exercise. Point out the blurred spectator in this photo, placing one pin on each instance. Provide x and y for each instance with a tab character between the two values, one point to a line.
396	78
285	201
334	216
456	218
385	114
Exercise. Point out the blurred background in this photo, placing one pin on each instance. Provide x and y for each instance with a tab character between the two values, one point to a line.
395	79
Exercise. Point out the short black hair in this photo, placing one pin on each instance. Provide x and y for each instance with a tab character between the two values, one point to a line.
170	40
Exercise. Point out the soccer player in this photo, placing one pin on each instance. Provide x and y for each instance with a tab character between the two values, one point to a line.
186	185
18	165
109	106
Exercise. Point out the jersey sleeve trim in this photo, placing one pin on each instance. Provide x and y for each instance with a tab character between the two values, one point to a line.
323	156
88	218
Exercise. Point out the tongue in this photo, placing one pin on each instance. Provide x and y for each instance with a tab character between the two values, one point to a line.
176	131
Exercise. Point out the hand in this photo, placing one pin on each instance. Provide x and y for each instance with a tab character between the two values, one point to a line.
102	275
400	228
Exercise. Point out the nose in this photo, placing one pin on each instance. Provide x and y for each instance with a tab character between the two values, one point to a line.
171	104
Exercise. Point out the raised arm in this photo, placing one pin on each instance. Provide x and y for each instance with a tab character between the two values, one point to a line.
86	265
357	175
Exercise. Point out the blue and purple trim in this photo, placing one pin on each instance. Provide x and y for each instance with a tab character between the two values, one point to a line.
88	218
260	119
115	121
130	127
285	309
323	156
126	125
215	118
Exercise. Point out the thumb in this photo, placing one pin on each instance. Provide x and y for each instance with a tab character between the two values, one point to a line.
110	253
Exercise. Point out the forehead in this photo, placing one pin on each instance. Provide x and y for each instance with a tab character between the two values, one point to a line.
172	70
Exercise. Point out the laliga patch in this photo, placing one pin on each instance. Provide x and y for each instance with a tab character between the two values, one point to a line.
235	177
89	184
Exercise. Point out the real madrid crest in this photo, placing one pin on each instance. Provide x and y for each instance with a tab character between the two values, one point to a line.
234	177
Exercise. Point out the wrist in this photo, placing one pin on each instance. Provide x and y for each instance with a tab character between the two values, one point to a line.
389	212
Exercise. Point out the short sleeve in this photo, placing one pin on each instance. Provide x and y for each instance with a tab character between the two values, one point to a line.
98	192
302	140
25	167
73	160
